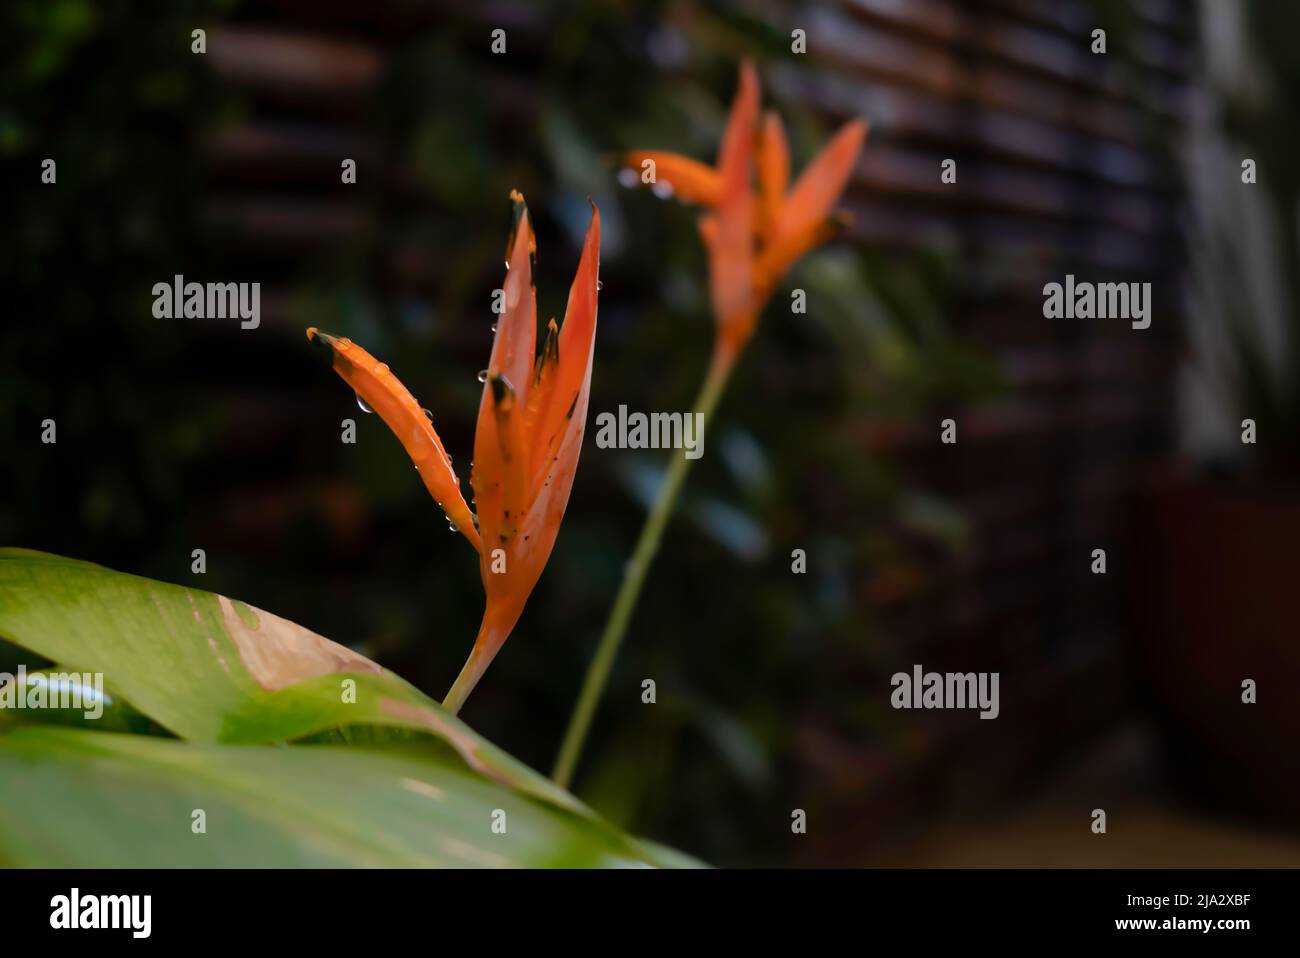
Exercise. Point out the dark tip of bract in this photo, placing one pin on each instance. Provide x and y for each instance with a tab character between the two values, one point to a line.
502	392
323	342
518	210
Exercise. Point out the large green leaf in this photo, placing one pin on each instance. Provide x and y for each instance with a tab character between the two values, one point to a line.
212	669
81	798
238	684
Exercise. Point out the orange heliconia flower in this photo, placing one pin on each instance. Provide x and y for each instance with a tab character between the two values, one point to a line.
530	423
753	238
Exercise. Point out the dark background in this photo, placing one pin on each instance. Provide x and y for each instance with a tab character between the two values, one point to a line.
773	687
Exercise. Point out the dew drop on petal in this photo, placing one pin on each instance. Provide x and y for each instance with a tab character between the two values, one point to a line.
428	414
482	375
381	369
361	403
494	327
599	285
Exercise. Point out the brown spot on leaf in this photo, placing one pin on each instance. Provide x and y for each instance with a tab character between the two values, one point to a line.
278	653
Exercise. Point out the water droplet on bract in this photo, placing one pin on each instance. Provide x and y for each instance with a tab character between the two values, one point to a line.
361	403
482	375
427	414
381	368
599	285
451	525
345	343
507	264
494	327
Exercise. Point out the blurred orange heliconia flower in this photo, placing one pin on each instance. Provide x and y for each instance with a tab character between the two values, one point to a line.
530	424
753	240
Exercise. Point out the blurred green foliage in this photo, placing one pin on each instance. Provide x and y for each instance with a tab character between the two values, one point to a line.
110	92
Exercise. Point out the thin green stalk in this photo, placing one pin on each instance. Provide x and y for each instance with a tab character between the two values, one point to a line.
464	684
634	576
497	623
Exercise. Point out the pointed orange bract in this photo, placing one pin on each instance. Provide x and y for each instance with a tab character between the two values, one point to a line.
819	186
500	461
690	180
729	232
529	436
532	415
382	393
753	238
773	170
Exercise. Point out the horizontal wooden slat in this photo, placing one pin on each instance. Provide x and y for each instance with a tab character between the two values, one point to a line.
1066	60
880	55
269	59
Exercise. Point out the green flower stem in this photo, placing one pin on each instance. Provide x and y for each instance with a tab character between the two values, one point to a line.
465	682
634	576
498	621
